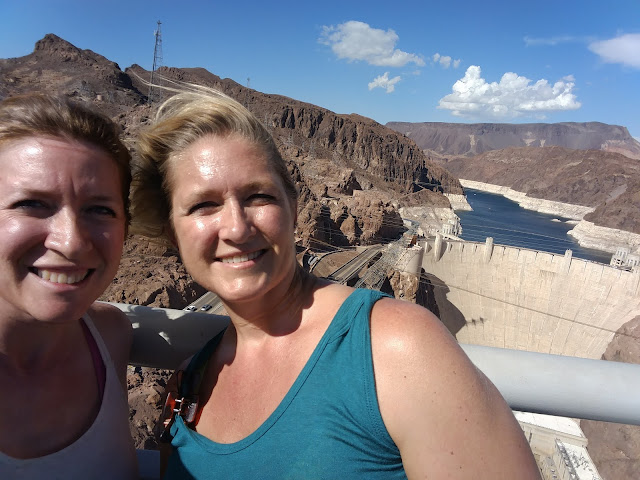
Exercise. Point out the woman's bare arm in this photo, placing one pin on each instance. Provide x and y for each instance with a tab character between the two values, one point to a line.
447	418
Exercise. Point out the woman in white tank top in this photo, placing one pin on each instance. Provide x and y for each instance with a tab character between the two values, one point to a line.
63	218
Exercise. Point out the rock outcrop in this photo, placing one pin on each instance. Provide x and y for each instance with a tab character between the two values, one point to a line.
307	132
57	66
615	448
452	139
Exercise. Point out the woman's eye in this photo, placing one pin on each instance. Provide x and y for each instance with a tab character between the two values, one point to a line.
30	204
261	198
103	210
202	206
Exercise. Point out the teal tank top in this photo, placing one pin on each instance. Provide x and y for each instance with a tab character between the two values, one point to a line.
327	426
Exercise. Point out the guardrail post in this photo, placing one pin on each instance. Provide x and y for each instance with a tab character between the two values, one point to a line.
488	249
566	261
437	248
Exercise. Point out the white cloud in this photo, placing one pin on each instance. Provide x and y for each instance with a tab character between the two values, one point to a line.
383	81
358	41
513	96
445	61
624	49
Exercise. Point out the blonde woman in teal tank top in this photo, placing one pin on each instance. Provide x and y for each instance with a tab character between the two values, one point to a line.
311	380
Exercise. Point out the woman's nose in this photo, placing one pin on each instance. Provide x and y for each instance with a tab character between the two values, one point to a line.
67	235
235	224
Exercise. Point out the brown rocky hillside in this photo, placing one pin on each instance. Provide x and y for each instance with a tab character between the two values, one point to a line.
615	448
608	181
468	139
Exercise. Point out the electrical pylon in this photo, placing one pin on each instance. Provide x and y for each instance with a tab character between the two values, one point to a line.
157	59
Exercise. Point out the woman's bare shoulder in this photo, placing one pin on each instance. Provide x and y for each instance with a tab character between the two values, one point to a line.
116	331
434	401
328	296
401	322
409	339
112	323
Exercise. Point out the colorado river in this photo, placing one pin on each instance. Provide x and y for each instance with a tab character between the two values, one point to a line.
509	224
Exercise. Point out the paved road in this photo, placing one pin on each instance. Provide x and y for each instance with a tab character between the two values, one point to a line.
353	266
208	299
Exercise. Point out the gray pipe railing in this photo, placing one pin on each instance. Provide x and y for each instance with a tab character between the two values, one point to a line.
532	382
562	386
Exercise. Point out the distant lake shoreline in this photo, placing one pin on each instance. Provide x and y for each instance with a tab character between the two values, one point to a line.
509	224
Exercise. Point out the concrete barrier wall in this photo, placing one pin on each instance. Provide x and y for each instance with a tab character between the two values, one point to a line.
528	300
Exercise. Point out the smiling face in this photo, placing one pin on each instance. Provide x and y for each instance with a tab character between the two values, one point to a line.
62	224
232	220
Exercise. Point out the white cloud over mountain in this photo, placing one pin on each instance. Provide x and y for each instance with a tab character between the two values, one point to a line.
445	61
513	96
624	49
356	41
383	81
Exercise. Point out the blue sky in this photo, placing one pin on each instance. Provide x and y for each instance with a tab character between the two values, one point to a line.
460	61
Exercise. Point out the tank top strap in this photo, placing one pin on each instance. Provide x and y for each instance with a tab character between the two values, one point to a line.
102	347
354	311
193	374
98	364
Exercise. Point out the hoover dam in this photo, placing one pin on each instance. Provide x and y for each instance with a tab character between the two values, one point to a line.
523	299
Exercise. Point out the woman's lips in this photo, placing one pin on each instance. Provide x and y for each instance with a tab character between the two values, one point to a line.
62	277
245	257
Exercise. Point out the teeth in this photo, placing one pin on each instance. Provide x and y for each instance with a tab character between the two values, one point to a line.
68	278
241	258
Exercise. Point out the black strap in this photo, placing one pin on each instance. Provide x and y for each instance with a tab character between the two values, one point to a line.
184	402
194	373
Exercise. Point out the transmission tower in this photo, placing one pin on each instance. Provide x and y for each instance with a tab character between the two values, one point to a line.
246	93
157	59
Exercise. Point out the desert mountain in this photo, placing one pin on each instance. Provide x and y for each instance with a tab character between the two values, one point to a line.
454	139
608	181
58	67
330	155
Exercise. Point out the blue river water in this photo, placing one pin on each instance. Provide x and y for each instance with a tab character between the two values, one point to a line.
510	224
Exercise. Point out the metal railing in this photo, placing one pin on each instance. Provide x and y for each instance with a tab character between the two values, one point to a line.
532	382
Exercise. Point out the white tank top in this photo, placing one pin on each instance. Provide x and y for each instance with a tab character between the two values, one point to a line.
104	451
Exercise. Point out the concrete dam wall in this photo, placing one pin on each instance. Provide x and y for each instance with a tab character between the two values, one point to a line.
528	300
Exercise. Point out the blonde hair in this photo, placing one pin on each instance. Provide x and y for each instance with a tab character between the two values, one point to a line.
193	112
37	114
